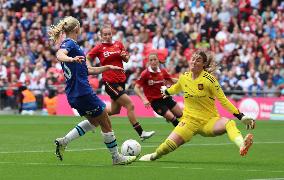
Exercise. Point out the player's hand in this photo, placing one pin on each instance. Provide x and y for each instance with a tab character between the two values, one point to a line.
248	121
78	59
163	91
146	103
123	54
114	67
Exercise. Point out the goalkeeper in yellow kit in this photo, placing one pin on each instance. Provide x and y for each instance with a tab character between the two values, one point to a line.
200	115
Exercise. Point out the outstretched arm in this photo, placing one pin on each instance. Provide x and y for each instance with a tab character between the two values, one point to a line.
98	70
218	92
61	56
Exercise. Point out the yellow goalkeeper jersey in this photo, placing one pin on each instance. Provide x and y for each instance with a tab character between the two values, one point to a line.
199	95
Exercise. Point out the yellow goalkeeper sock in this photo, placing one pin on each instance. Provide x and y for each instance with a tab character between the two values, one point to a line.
234	133
166	147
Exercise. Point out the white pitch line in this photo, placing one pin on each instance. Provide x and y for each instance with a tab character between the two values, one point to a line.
142	166
268	179
147	146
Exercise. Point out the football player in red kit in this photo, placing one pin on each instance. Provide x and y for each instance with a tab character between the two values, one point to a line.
150	82
114	53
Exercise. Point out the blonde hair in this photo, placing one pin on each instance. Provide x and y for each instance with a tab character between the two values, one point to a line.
66	25
210	64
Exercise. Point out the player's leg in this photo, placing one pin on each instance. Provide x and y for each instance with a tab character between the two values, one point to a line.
79	130
181	134
81	104
223	125
170	117
110	139
114	108
120	98
125	101
161	108
174	108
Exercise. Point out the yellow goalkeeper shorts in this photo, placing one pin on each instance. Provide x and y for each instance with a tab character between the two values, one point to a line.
189	126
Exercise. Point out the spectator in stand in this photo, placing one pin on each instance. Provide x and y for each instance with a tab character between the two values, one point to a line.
254	89
270	89
158	41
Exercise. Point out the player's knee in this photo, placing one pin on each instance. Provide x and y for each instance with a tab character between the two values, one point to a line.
130	107
230	123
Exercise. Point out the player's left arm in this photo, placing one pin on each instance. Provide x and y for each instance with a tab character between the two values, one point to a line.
124	54
98	70
219	93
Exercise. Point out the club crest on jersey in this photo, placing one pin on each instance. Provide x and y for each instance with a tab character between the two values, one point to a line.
200	86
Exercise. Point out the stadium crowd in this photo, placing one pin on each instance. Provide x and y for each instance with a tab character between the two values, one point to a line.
247	37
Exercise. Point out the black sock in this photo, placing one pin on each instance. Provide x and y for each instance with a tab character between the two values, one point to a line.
138	128
175	121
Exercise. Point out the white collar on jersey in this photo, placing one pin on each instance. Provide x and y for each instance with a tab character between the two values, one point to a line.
112	42
152	71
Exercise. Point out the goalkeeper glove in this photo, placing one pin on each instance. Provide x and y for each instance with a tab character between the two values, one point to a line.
248	121
164	91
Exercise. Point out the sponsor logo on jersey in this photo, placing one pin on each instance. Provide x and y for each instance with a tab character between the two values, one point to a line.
152	82
108	53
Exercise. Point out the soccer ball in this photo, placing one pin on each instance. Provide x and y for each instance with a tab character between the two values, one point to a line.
130	147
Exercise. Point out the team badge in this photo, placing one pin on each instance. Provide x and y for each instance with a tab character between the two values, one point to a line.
200	86
181	124
119	88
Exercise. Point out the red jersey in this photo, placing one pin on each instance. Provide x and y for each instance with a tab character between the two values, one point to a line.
152	81
109	54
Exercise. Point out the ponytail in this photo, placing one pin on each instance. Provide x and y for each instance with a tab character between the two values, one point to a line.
66	25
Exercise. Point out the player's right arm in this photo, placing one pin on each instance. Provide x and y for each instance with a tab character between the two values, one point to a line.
138	89
98	70
92	54
61	56
176	88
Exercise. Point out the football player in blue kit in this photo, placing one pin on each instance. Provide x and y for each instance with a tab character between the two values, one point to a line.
79	92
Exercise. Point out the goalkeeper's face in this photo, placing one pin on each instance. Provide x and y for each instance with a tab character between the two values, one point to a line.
196	63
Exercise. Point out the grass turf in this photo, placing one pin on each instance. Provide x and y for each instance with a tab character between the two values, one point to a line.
27	152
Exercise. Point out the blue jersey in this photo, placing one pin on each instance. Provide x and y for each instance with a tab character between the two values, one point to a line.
76	74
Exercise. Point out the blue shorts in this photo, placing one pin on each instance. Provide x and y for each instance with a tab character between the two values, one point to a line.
88	104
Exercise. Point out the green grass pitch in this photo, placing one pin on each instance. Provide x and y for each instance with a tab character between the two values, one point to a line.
27	152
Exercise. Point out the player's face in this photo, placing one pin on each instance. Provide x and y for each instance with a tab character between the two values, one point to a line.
154	61
106	35
196	63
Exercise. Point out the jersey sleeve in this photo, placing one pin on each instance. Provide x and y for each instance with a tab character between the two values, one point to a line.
142	79
177	87
166	75
93	52
219	94
121	46
68	45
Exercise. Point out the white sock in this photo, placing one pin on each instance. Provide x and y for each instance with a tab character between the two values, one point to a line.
79	130
110	142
